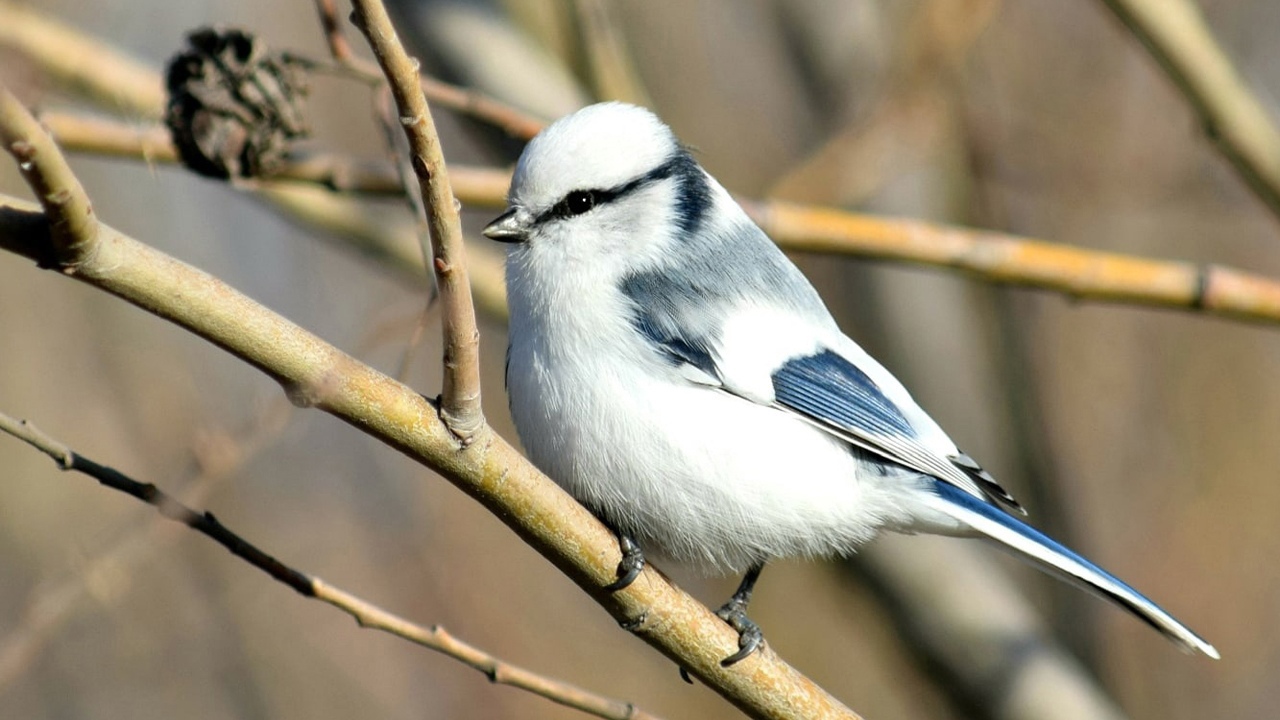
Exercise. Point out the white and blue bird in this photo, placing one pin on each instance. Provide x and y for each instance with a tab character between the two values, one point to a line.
680	377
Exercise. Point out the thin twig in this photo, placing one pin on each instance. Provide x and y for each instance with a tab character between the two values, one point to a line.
1175	34
366	614
394	141
339	48
218	456
493	112
460	394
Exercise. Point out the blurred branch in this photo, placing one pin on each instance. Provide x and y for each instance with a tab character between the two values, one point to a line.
103	74
151	143
315	190
315	374
366	614
604	52
93	69
975	630
339	48
1175	34
1011	260
987	256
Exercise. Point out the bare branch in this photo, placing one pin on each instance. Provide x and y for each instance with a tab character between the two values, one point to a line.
217	456
1011	260
339	48
1175	34
460	397
366	614
73	226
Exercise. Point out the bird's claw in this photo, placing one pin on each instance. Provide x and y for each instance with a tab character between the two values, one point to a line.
630	566
750	637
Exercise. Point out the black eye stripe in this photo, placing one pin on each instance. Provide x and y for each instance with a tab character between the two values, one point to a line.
581	201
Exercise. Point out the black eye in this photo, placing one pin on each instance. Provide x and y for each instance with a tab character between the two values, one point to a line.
579	201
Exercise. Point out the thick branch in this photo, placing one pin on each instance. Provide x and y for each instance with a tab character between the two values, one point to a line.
366	614
460	397
1175	34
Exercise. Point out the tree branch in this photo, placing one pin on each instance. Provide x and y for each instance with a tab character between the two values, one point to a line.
73	227
93	68
1175	34
1011	260
366	614
460	396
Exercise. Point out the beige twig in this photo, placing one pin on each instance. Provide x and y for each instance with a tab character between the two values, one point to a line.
51	606
460	395
1175	34
1010	260
365	613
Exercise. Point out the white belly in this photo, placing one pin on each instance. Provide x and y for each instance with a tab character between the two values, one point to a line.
692	472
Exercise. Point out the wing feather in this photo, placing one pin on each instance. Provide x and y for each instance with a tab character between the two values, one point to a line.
831	392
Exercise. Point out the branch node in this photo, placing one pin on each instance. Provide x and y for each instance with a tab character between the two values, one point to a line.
24	151
420	166
1204	281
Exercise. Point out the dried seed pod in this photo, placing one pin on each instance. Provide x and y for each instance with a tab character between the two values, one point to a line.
234	108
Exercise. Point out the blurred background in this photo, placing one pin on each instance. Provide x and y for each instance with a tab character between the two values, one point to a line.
1146	439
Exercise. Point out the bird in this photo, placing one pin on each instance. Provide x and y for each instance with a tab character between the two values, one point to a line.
678	375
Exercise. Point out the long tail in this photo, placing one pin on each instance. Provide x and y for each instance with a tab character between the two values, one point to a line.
1056	559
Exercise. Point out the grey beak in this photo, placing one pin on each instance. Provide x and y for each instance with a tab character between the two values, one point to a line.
507	228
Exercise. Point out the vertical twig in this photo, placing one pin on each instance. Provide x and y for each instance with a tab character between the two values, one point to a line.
460	395
339	48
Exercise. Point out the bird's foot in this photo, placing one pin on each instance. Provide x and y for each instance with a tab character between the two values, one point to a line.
630	566
750	637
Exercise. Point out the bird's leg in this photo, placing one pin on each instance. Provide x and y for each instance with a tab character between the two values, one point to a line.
630	566
734	612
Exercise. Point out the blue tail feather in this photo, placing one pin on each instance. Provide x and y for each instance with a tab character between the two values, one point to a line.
1055	558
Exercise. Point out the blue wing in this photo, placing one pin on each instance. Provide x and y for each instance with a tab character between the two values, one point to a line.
831	391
